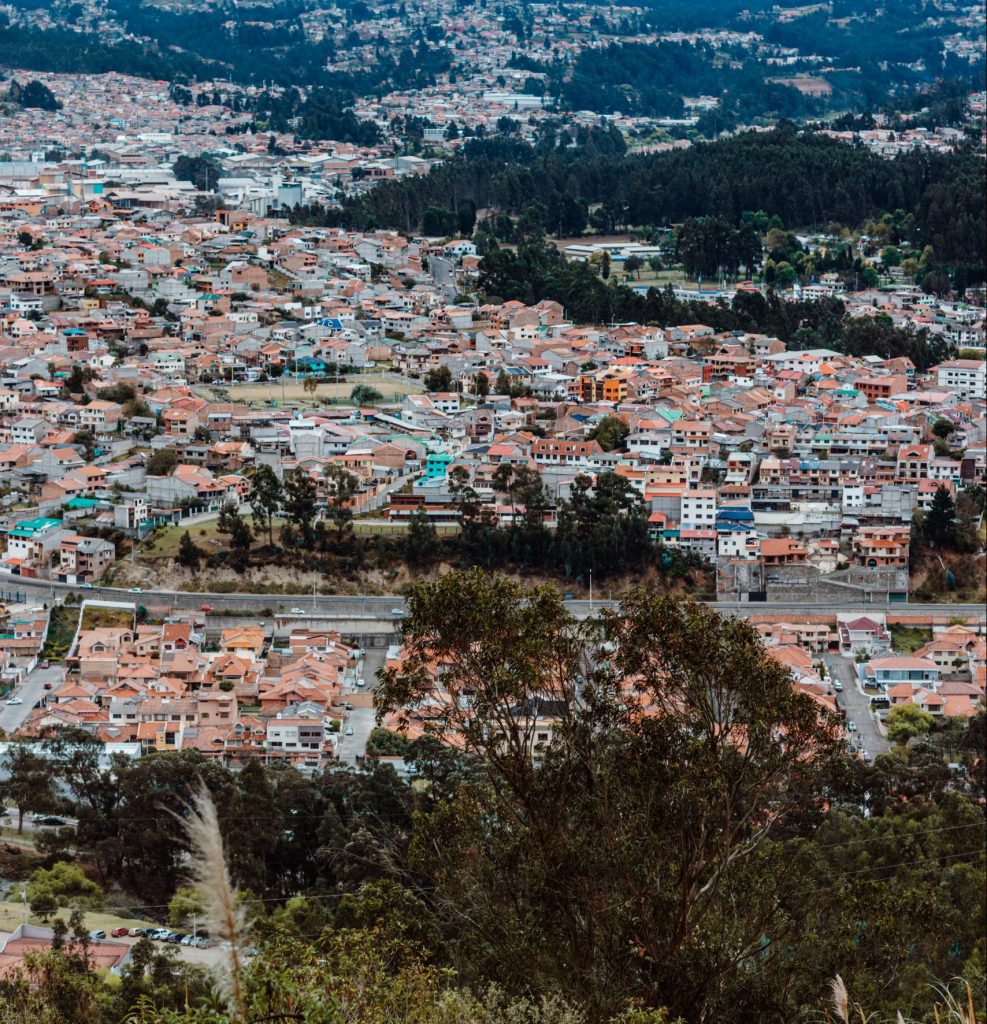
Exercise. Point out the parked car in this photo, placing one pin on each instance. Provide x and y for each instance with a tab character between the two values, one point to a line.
46	663
398	613
349	730
206	608
118	932
187	940
137	933
14	700
203	942
135	590
98	933
866	757
837	685
297	611
51	821
361	683
347	706
851	726
47	686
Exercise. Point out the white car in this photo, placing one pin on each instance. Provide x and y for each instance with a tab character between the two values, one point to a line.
135	590
837	686
14	700
398	613
361	682
297	611
349	730
851	726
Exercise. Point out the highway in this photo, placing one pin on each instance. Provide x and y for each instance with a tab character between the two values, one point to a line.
376	607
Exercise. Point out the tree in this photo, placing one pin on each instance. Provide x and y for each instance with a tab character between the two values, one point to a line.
611	433
37	95
939	523
905	721
503	383
185	905
482	385
310	385
301	502
673	819
439	378
204	172
943	427
632	265
605	265
161	462
29	782
421	542
364	394
341	486
265	498
189	554
64	885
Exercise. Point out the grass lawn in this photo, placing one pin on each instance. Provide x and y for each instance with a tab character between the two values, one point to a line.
292	392
12	914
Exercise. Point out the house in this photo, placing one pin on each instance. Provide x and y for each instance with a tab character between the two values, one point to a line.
867	633
887	672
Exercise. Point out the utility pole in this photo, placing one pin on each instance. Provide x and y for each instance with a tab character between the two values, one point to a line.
591	591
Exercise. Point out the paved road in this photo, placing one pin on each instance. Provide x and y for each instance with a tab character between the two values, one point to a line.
361	720
30	692
857	704
371	606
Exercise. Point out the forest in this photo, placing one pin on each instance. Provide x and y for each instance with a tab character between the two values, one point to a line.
569	860
803	178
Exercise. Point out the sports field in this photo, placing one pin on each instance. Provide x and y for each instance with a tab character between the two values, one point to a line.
292	392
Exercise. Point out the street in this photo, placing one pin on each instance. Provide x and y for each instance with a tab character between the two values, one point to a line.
377	607
30	692
857	704
361	720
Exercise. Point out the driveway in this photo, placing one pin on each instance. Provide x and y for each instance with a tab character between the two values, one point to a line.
857	704
30	692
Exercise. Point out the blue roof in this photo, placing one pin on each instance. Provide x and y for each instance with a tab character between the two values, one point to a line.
332	322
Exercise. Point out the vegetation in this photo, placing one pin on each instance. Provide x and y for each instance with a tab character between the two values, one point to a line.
616	857
800	178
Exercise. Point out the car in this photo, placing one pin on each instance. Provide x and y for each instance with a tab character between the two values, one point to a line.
135	590
13	701
837	686
852	748
118	932
361	683
398	613
187	940
866	757
159	934
851	726
206	608
203	942
174	938
297	611
46	663
51	821
97	933
85	586
47	686
136	933
349	730
347	706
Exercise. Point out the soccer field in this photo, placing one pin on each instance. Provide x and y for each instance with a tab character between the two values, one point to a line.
292	392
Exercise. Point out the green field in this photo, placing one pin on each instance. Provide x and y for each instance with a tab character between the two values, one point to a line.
12	914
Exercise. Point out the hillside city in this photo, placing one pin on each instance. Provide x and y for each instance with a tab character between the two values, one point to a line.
513	478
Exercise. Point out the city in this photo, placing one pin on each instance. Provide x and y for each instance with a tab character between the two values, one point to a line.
520	504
